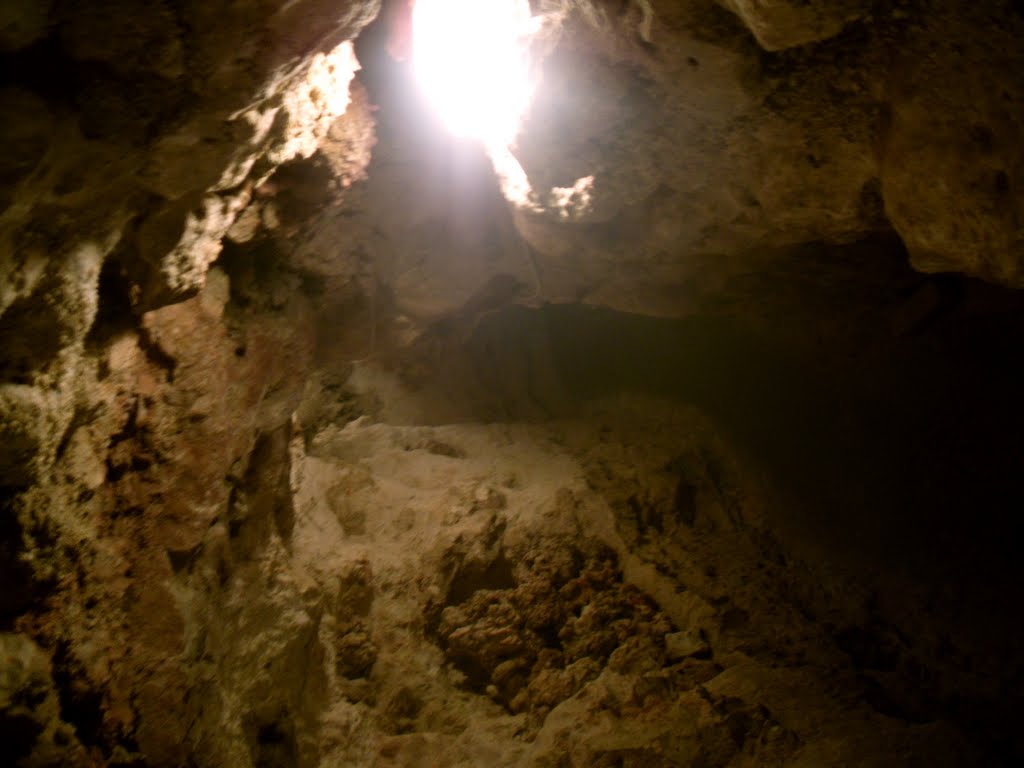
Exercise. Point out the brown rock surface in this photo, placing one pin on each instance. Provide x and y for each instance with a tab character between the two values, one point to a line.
783	24
315	450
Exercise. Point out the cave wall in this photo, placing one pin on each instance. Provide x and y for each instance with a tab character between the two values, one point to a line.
136	135
707	145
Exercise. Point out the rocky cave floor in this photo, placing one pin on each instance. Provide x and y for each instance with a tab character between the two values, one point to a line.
403	479
559	536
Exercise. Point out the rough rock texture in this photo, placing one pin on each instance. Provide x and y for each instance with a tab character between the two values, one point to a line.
141	132
560	595
705	149
951	169
136	146
780	25
285	482
29	710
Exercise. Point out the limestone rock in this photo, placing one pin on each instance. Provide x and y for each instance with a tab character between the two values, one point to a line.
780	24
680	645
952	168
33	732
283	486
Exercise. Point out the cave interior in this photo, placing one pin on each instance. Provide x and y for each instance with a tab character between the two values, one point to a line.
678	426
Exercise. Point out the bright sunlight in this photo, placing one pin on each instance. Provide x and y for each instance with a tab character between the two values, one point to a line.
471	59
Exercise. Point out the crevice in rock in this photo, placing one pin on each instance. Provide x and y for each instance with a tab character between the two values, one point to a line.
156	353
115	313
31	334
13	567
80	704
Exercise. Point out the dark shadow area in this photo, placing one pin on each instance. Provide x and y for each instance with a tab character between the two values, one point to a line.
879	407
887	416
923	443
80	704
31	334
910	455
22	590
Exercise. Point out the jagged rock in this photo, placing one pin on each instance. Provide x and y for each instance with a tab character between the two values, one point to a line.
952	169
680	645
30	714
286	482
780	24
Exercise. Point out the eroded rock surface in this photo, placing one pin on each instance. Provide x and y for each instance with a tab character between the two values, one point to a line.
268	495
569	597
701	144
